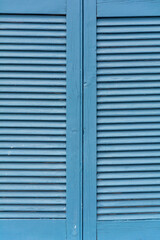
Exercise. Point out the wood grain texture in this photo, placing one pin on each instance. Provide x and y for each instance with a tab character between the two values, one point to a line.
128	230
127	8
74	120
33	118
33	229
89	157
127	157
33	7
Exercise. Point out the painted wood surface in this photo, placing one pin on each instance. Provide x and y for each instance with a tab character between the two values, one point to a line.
74	120
32	120
33	229
127	175
89	120
128	230
33	6
126	83
127	8
41	97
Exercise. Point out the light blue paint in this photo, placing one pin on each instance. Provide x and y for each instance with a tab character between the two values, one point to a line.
33	7
129	230
74	120
37	39
28	119
115	106
128	8
33	229
89	120
127	86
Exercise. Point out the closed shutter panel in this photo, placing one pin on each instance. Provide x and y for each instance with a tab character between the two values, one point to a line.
122	120
33	116
128	118
37	105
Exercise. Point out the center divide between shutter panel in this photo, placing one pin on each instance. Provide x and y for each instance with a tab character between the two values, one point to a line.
37	105
125	153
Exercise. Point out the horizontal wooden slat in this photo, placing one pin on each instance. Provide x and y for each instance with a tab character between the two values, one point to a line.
128	56
128	126
131	21
33	82
36	159
32	68
35	95
129	168
130	210
128	196
33	26
129	203
30	74
33	60
32	54
129	28
33	138
28	208
140	98
32	187
33	40
32	173
33	151
33	215
128	189
128	36
148	119
34	124
33	194
31	18
131	92
36	201
31	180
128	182
32	166
125	43
129	154
35	47
41	145
131	216
131	176
37	33
131	160
133	112
33	131
129	147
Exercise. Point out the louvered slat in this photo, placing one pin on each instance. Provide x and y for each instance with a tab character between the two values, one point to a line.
128	118
32	116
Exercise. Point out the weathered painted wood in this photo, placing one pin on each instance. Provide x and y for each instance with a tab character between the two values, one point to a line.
33	229
36	175
129	230
74	120
89	142
33	119
127	120
32	6
129	8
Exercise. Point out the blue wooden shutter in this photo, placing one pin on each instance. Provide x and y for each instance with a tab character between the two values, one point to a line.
123	157
37	106
33	116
